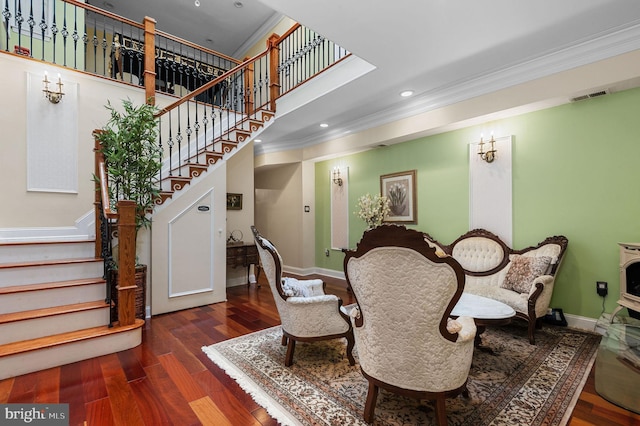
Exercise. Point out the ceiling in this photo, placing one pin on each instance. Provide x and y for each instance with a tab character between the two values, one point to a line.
216	24
447	52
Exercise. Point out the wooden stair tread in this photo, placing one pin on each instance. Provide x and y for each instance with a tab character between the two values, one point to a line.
50	262
51	285
55	310
63	338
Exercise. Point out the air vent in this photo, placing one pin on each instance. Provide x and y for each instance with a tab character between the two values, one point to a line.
590	95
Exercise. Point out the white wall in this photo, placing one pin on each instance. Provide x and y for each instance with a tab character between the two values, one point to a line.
240	181
49	209
279	210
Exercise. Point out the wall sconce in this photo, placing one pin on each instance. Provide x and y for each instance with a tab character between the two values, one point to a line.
490	154
336	176
54	96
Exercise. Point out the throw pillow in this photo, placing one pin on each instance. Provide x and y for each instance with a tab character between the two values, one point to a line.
292	288
523	271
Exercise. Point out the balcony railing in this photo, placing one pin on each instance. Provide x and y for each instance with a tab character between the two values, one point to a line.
83	37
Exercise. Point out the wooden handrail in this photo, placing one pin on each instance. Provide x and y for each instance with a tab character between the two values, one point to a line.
102	185
104	190
196	46
288	33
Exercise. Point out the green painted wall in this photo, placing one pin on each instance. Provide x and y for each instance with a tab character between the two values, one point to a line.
575	173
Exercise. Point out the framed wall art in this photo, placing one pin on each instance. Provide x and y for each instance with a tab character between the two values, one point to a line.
234	201
400	189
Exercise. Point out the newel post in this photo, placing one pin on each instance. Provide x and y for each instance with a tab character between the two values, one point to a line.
126	261
249	100
150	60
274	76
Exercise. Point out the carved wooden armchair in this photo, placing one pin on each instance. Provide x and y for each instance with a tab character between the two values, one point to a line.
406	341
306	312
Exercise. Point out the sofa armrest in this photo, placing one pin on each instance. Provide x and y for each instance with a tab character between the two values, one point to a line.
314	316
541	298
468	331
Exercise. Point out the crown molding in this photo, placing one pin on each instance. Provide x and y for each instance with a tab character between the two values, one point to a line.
583	52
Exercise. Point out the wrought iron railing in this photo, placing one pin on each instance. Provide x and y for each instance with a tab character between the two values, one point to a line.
83	37
304	54
105	227
198	129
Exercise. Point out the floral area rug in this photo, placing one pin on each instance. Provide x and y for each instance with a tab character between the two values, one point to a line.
513	384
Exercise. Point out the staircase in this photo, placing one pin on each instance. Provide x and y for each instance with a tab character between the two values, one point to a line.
194	164
52	307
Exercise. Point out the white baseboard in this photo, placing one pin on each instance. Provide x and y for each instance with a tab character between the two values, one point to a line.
84	229
310	271
581	323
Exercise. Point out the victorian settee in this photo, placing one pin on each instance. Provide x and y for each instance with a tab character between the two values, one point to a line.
523	279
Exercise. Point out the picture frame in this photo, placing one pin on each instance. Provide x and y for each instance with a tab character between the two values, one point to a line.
400	189
234	201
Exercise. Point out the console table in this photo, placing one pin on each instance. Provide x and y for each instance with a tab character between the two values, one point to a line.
240	254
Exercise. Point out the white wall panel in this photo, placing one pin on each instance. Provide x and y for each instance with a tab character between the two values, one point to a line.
490	193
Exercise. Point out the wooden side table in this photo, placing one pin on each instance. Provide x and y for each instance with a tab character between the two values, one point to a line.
241	254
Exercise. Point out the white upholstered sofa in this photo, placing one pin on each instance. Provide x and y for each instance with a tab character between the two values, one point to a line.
523	279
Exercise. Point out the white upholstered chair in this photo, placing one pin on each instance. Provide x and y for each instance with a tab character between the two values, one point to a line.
306	312
405	339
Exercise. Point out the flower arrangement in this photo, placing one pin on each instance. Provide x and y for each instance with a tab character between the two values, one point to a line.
372	209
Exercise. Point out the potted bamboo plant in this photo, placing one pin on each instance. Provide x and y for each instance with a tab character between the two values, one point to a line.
133	159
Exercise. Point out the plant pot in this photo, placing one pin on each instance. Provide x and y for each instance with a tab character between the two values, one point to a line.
141	292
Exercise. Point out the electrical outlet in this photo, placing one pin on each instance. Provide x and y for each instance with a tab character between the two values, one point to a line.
326	252
602	288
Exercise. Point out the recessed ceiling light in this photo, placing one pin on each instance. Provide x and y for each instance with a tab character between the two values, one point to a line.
107	5
238	4
209	40
257	140
406	93
324	125
197	3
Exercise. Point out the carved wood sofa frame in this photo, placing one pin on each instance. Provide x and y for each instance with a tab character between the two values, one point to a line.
529	315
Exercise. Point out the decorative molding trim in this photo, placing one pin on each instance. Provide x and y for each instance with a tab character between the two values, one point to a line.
170	243
258	35
583	323
564	58
83	229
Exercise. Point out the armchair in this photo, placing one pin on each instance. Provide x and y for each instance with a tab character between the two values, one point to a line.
307	314
406	341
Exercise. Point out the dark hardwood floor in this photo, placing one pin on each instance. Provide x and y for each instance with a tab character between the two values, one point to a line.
169	380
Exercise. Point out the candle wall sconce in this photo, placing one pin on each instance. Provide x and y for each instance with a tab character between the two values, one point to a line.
54	96
490	154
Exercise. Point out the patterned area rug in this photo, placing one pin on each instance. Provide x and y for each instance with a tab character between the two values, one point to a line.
517	384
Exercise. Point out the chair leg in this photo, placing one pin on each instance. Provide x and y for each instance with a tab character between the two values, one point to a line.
441	412
532	328
288	360
465	392
284	340
350	344
370	404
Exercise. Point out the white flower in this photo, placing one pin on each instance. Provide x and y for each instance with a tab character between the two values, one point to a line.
372	209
